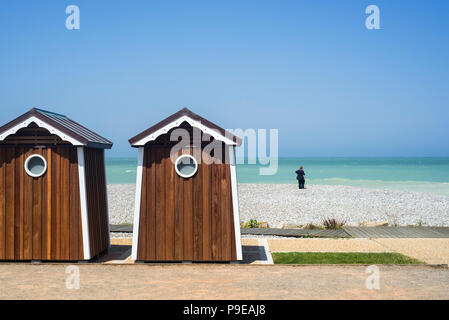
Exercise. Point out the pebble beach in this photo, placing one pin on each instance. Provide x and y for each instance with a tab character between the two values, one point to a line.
284	203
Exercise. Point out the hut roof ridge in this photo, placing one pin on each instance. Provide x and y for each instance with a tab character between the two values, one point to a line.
62	124
198	121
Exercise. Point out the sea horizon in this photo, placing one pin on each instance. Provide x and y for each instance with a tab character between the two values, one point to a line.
414	174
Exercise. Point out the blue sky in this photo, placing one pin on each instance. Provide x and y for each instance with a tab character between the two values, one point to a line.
308	68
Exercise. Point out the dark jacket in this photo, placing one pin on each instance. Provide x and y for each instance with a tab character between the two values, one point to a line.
300	175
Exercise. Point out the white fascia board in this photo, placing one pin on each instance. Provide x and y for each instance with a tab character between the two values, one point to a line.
137	203
176	123
41	124
83	203
235	203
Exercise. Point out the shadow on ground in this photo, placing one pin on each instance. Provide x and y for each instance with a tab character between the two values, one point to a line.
121	253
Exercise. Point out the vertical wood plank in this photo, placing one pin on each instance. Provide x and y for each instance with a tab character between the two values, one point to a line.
2	202
49	202
10	187
21	202
94	195
206	206
100	201
74	207
215	214
179	216
197	210
18	240
44	222
231	217
151	204
188	216
103	204
57	192
37	207
65	204
169	206
225	213
27	213
160	205
54	189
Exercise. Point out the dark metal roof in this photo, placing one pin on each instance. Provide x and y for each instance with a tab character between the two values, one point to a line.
61	122
179	114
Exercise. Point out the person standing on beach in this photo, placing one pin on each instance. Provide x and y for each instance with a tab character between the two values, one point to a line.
301	177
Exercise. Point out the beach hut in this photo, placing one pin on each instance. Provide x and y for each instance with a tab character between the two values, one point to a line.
53	202
186	206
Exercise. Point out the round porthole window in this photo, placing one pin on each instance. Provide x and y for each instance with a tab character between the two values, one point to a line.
186	166
35	165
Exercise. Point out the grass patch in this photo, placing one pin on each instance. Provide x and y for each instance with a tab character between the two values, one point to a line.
341	258
253	223
333	224
311	226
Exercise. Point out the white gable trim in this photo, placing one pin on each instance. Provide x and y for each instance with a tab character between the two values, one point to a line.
235	203
176	123
41	124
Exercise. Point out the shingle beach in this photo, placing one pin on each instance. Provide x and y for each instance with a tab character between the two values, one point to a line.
284	203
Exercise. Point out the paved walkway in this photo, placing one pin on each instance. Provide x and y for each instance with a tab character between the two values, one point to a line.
258	251
345	232
432	251
355	232
115	276
397	232
205	281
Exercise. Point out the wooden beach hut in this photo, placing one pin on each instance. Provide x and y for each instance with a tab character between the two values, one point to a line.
186	197
53	202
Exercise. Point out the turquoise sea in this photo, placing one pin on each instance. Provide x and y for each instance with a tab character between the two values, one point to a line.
409	174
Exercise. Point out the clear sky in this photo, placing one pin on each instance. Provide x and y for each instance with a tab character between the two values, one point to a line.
308	68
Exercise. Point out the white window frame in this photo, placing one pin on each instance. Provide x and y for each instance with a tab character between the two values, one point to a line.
27	161
186	175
